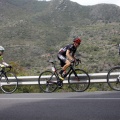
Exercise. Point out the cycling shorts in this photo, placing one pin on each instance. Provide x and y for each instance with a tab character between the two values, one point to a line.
62	59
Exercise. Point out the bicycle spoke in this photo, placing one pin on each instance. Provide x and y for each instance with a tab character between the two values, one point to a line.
47	81
80	82
9	82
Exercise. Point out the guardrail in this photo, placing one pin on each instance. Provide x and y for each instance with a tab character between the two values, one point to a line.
33	80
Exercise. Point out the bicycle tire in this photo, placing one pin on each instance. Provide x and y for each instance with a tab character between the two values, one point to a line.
79	83
112	78
9	82
47	81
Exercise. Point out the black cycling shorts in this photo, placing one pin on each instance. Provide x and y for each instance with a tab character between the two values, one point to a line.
62	59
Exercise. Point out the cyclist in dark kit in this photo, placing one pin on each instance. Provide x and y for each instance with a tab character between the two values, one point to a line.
66	56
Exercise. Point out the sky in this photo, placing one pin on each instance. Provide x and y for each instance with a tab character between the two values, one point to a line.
94	2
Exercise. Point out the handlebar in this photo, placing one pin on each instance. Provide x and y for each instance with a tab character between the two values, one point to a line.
76	62
10	67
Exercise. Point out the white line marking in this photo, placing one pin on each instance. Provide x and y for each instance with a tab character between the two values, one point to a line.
60	98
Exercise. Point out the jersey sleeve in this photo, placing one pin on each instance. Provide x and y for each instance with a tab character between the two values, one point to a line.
70	47
1	58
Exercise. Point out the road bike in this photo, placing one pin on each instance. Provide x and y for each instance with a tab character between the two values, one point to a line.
113	78
8	80
78	79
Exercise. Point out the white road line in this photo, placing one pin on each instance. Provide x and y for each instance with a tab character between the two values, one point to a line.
60	98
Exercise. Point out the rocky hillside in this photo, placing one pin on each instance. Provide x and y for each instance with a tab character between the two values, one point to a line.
33	31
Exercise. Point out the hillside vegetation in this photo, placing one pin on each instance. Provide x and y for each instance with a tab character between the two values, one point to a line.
33	31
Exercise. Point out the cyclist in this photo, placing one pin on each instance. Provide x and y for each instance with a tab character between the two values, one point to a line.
66	56
2	62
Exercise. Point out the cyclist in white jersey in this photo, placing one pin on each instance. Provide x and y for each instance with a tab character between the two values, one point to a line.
2	62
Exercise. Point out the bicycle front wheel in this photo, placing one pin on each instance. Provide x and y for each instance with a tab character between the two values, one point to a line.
47	81
79	80
113	78
9	82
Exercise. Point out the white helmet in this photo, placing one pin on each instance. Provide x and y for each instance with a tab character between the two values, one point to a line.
2	48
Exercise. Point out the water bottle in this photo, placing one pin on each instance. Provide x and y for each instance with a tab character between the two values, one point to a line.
53	69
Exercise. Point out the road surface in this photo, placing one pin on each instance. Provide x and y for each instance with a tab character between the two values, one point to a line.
101	105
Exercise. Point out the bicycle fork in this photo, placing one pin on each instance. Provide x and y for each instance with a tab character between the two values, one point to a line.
5	78
76	76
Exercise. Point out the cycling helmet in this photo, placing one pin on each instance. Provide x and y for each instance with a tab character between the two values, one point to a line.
77	40
2	48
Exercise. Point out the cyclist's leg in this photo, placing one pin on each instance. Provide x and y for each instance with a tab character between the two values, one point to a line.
67	64
62	59
62	63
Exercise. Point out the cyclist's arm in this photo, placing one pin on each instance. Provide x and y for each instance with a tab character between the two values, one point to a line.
3	63
1	60
73	54
69	56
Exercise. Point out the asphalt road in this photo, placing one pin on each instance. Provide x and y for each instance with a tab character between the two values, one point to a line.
60	106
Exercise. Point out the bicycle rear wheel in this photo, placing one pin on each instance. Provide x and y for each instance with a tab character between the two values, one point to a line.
47	81
80	82
113	78
9	82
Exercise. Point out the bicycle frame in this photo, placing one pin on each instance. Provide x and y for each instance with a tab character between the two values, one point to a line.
4	72
55	71
52	82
